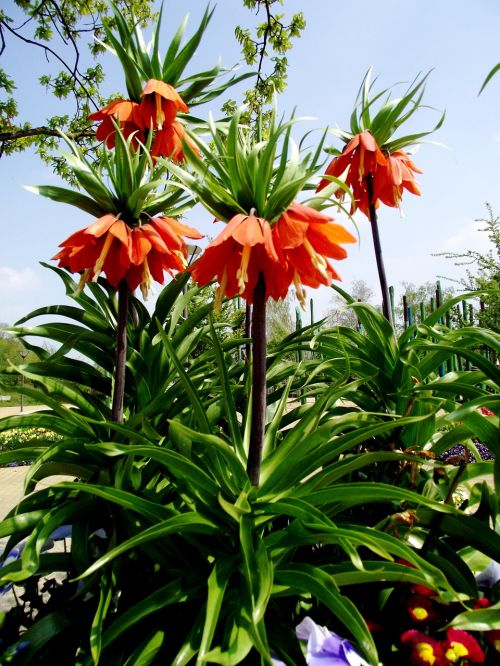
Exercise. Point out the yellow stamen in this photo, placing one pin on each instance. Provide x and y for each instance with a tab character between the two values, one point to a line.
181	257
361	160
84	278
420	613
241	273
102	257
220	292
456	652
426	653
299	290
160	116
147	280
318	261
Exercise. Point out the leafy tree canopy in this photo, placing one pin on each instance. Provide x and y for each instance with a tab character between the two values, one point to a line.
266	48
66	34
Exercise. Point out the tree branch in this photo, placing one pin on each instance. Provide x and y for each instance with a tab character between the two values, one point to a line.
73	73
43	131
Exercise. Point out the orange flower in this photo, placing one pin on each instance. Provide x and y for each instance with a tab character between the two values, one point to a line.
125	113
138	255
292	251
168	142
160	104
390	180
305	237
360	157
236	257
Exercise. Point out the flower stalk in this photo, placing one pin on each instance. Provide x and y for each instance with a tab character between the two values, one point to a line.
121	353
386	301
259	354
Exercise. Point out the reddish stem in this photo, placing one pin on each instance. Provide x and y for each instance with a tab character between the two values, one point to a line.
386	301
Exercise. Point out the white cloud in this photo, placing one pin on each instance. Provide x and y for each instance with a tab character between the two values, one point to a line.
12	280
469	237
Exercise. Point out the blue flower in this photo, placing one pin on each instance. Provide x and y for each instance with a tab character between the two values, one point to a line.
490	576
12	556
326	648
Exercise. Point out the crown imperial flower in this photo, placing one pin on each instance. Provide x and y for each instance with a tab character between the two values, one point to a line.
137	255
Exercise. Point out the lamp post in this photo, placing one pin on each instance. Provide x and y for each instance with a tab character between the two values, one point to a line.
23	353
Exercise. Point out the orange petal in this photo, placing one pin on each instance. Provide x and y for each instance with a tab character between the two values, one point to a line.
139	246
179	228
101	226
249	231
166	91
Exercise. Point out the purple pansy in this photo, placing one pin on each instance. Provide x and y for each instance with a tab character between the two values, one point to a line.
326	648
490	576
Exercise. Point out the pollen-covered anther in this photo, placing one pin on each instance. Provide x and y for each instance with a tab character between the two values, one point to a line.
181	257
242	274
318	261
147	279
102	257
160	116
219	293
299	290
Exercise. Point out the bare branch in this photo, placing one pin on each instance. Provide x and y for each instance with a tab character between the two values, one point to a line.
43	131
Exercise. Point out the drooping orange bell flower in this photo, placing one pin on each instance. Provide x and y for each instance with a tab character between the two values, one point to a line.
360	157
159	105
123	112
138	254
397	175
305	237
236	257
168	142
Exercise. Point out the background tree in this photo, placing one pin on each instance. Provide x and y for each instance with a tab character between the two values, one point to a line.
65	34
486	273
279	321
271	40
339	314
415	296
12	353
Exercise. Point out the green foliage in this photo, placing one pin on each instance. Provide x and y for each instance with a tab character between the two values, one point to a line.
58	30
486	276
242	171
383	122
173	553
141	61
125	182
423	300
339	314
272	35
279	322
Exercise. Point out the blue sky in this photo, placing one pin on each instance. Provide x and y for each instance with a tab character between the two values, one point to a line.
457	39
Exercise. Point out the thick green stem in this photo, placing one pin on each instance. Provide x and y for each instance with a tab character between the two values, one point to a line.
386	301
259	354
121	353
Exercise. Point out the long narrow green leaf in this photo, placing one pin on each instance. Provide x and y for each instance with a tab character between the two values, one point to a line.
313	580
185	523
